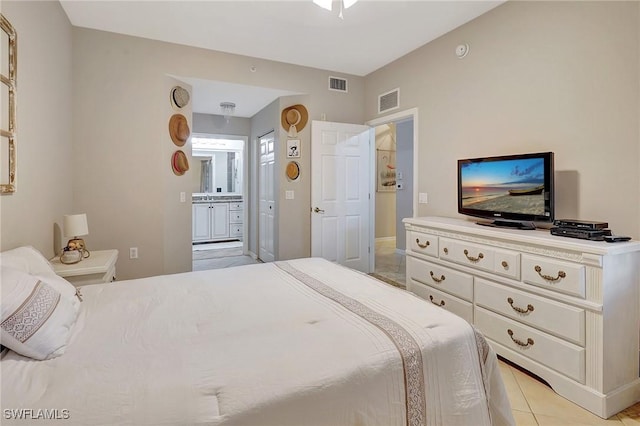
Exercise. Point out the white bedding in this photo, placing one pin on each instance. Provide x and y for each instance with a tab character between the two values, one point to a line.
255	345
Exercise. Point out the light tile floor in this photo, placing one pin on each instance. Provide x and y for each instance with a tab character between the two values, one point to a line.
532	402
388	262
215	256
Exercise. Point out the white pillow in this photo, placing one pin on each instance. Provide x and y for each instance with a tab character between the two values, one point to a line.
35	320
27	259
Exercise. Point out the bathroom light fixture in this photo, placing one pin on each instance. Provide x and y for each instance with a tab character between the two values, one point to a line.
327	4
228	108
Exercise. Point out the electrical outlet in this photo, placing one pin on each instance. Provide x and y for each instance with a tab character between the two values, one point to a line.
133	253
288	195
422	198
183	197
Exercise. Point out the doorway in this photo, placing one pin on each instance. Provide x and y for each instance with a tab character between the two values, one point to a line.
394	155
218	196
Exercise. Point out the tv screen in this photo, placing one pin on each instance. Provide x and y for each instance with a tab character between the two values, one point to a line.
511	189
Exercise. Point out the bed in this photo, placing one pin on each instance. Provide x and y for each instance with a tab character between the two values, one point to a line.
299	342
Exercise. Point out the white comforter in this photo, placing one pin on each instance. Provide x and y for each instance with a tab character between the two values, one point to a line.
256	346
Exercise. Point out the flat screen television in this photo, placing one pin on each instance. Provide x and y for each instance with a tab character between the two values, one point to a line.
514	190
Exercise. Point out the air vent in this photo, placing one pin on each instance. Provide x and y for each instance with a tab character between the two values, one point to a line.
338	84
388	101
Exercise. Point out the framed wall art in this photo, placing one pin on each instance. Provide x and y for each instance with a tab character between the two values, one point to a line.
8	72
293	148
385	170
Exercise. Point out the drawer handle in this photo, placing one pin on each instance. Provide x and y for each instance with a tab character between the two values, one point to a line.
425	245
518	309
436	279
561	274
445	250
519	342
435	303
471	258
504	264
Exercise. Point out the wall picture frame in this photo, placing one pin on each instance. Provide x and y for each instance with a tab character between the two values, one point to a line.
293	148
385	170
8	85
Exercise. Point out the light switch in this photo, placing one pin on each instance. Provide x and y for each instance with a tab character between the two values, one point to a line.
422	198
288	195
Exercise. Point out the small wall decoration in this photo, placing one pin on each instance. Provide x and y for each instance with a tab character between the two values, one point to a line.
386	170
179	163
8	87
179	129
179	96
293	148
293	170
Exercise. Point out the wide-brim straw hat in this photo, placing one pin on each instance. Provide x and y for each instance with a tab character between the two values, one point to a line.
295	115
179	129
179	163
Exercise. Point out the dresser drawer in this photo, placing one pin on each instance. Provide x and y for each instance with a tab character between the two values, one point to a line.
548	315
236	216
473	255
560	355
554	275
440	277
506	263
423	243
445	301
235	206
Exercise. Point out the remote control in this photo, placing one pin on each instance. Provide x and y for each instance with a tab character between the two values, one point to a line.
615	238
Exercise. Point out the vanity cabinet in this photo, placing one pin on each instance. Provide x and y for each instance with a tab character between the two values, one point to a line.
217	218
210	221
565	309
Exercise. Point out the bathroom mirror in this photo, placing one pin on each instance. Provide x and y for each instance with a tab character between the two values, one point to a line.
217	165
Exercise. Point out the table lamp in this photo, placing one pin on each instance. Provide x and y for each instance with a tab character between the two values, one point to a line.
75	225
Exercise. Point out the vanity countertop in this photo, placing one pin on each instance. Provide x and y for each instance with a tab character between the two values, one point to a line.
215	198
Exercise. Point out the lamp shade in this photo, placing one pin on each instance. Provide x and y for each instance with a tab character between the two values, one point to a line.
75	225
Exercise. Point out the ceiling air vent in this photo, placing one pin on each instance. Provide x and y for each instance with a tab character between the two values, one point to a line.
388	101
338	84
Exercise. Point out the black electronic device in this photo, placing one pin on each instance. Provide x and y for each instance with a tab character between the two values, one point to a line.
615	238
513	190
584	234
580	224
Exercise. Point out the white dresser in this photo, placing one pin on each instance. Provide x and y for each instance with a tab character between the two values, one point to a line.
565	309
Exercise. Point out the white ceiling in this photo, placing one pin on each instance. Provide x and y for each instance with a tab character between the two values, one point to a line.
372	34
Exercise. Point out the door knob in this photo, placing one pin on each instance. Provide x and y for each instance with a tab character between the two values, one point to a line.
318	210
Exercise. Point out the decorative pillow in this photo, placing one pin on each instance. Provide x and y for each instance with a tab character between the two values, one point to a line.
35	320
27	259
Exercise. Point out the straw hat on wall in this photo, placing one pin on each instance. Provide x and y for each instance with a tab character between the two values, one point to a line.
179	129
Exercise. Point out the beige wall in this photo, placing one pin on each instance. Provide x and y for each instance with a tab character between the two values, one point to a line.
45	169
557	76
120	101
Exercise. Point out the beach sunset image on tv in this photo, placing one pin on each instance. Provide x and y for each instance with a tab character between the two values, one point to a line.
514	186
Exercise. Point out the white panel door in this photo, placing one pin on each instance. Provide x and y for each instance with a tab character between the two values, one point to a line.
200	222
266	194
219	220
340	201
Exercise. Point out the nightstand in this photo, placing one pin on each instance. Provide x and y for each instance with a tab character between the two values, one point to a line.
98	268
